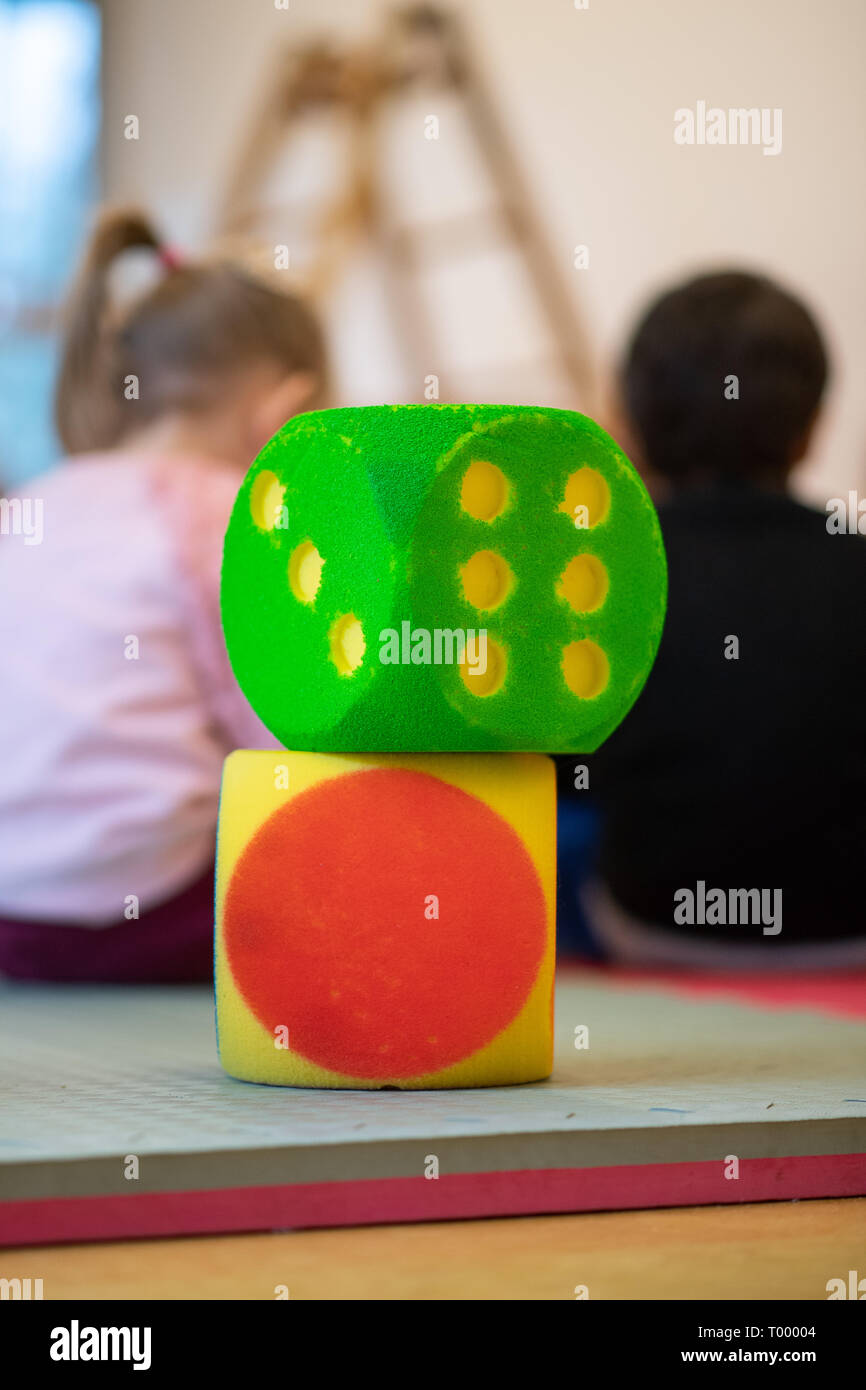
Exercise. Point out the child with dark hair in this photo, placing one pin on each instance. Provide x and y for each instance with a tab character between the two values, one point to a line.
723	380
119	705
733	797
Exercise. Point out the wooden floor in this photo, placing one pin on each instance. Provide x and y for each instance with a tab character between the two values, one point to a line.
774	1250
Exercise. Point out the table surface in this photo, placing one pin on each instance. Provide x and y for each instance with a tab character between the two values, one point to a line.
771	1250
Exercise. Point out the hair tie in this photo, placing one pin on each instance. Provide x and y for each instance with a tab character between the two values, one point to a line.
170	258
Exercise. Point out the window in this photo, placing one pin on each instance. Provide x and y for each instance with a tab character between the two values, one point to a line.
49	122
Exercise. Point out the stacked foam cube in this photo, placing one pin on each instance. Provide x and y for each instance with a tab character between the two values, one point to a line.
420	602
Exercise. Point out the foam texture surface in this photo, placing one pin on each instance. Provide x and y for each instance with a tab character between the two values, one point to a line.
364	540
386	921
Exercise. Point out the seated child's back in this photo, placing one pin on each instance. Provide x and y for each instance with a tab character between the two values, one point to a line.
119	705
743	763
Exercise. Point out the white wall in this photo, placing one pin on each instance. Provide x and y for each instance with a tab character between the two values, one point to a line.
588	97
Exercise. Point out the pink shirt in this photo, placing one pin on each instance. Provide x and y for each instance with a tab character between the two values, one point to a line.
117	701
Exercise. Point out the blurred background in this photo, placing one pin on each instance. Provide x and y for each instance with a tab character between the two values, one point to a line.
480	198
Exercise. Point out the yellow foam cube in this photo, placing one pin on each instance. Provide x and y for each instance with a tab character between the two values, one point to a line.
386	920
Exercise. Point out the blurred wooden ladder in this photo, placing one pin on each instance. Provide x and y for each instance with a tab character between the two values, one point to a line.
420	45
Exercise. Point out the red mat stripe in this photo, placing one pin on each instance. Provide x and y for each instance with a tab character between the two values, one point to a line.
842	993
451	1197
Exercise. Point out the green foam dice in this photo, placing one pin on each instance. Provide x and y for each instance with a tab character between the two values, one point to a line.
442	578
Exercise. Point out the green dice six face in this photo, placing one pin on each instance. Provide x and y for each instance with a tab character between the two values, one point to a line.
442	578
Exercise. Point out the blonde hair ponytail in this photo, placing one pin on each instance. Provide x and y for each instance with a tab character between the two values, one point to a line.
87	417
184	339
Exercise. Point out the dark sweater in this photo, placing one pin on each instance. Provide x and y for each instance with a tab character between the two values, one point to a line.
747	773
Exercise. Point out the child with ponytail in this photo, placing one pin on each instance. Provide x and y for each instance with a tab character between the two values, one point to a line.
119	706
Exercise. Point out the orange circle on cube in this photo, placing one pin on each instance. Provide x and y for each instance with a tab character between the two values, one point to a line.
330	927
